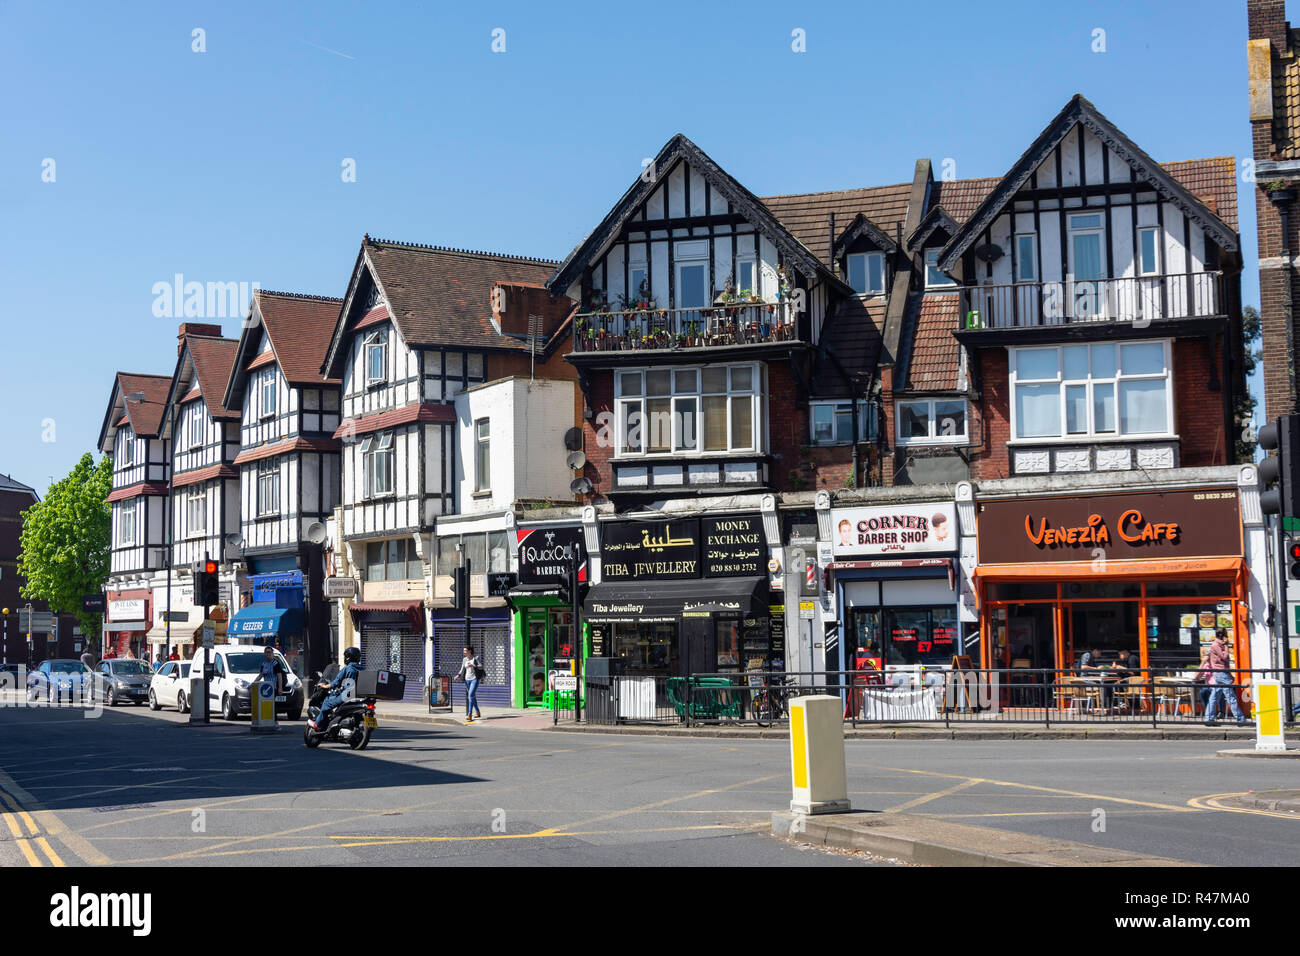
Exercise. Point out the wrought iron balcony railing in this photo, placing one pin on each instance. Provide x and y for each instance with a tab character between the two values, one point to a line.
731	324
1136	299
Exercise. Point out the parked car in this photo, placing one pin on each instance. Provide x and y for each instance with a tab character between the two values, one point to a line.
235	668
61	679
171	687
123	680
10	675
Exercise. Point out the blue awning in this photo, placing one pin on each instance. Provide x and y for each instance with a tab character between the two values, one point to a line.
264	619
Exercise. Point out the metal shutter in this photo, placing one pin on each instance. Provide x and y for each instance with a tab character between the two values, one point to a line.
492	644
376	654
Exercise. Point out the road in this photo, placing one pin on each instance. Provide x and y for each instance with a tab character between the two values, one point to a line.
133	787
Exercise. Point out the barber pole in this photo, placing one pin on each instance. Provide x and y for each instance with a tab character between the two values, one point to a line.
810	575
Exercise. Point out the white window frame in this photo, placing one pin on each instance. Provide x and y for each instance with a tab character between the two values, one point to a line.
1142	269
195	425
267	390
1092	435
123	538
482	456
1098	230
268	473
376	342
943	281
676	448
372	448
1032	258
866	258
756	278
126	458
691	263
934	437
866	422
196	503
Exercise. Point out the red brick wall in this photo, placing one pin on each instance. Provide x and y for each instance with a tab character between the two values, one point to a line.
991	417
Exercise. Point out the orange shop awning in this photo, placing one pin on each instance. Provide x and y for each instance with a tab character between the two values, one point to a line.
1131	568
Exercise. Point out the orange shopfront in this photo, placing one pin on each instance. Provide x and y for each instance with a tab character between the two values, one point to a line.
1151	572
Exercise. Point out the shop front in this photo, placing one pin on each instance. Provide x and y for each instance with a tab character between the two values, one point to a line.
393	639
895	573
544	638
1151	573
685	596
126	623
274	617
177	625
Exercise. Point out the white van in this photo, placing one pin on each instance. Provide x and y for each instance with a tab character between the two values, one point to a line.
235	667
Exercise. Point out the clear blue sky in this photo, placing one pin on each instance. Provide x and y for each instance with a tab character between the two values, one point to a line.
225	166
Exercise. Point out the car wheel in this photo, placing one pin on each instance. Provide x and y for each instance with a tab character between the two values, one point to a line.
32	694
109	699
181	707
228	709
295	714
153	701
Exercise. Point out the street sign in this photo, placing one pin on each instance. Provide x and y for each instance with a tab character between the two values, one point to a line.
340	588
209	634
93	603
500	583
175	617
806	610
35	621
566	682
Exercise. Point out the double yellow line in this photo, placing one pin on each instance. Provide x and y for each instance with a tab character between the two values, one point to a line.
19	818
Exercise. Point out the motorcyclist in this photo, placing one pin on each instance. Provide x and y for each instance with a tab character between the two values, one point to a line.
337	687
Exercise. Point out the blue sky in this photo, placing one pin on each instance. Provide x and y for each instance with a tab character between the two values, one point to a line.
225	165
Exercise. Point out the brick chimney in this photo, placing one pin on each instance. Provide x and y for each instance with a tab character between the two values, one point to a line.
1270	58
195	328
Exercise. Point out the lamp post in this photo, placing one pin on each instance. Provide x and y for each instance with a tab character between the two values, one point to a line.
4	638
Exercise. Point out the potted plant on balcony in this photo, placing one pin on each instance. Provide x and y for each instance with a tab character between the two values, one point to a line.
1279	190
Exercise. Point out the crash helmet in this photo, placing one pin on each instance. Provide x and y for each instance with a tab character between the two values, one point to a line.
352	655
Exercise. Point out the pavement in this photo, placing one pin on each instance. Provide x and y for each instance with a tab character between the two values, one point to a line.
135	787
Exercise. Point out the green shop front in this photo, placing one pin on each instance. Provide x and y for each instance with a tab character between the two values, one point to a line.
546	646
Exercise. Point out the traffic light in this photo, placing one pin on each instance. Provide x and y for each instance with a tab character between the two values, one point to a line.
207	589
459	588
1282	469
1293	557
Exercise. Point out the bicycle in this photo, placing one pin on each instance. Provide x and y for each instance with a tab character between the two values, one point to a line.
770	701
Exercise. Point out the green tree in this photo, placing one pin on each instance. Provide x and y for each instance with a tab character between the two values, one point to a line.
65	541
1245	402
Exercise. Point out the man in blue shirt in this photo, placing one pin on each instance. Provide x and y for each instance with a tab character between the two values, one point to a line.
342	687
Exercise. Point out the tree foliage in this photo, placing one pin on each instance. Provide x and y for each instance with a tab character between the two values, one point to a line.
65	541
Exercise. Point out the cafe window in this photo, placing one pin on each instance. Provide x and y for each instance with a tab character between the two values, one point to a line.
920	635
715	408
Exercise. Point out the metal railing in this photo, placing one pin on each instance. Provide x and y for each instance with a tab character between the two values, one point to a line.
1136	299
1150	697
747	323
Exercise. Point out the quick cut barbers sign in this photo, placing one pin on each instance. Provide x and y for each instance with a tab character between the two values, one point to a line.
894	529
545	554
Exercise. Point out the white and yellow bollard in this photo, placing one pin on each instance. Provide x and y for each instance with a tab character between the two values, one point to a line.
261	700
817	755
1269	718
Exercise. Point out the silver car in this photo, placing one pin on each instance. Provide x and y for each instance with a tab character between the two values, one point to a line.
123	681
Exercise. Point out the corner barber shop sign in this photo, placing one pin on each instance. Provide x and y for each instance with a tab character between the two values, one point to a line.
1173	524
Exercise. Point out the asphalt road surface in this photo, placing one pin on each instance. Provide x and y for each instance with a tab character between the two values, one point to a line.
134	787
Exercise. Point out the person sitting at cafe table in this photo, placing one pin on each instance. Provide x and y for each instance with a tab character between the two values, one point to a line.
1089	661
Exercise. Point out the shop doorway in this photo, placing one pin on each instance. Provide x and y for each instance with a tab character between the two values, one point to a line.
548	635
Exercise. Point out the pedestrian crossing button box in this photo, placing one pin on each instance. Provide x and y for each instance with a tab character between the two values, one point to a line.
385	685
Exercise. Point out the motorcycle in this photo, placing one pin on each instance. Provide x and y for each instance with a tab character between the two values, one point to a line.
351	722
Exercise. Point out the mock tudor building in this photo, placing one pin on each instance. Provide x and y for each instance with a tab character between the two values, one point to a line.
288	465
132	436
204	436
423	335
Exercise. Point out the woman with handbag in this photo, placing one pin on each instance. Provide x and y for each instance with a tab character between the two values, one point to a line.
471	671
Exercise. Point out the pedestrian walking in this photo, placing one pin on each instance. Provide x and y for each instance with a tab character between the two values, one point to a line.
1216	671
471	672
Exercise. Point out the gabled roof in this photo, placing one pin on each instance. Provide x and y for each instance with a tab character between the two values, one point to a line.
298	327
437	297
741	200
212	359
1080	112
145	417
14	485
936	218
807	215
862	226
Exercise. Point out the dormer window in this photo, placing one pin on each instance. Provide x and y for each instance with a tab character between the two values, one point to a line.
268	394
935	279
376	358
867	272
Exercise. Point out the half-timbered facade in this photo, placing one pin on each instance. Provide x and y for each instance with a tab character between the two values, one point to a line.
419	326
288	463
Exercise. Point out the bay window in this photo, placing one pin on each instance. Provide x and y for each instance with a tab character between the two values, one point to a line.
377	461
714	408
126	524
1091	391
931	421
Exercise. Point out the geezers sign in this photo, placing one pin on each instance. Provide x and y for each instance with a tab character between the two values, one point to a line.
1170	524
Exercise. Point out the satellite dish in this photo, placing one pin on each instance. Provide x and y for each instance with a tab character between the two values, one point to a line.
234	540
316	533
580	486
573	439
576	460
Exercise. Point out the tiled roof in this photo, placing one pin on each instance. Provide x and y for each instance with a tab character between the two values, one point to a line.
934	354
1213	181
204	474
442	297
146	416
285	447
961	197
299	327
427	412
213	359
137	490
807	214
851	346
